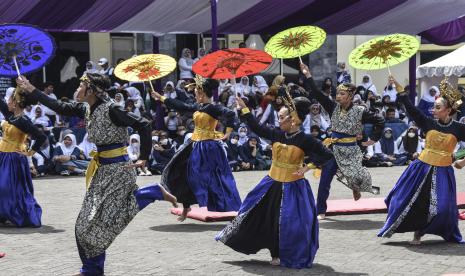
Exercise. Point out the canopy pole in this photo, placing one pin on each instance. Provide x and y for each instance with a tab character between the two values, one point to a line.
412	80
214	25
281	67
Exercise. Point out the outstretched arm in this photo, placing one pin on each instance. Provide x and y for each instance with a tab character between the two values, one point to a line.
309	85
261	130
174	103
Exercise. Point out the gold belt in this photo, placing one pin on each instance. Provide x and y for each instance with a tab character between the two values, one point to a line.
205	134
11	146
284	172
347	140
436	157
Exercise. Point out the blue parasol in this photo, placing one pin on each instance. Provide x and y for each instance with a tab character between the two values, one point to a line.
23	49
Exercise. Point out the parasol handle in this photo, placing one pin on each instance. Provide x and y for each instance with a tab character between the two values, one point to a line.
151	85
17	68
301	62
389	69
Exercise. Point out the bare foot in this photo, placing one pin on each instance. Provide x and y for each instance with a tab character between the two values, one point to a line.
321	217
357	195
275	261
169	197
184	214
416	239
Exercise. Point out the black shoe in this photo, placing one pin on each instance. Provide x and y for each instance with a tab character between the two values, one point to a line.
375	190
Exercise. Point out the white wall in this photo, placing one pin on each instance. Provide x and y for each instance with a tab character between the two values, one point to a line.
346	43
99	46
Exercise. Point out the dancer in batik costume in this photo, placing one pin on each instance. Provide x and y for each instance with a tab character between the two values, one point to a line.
347	122
113	197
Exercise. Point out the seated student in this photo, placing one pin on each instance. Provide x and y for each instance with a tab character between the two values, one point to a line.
409	144
180	135
317	133
370	160
134	153
42	159
87	147
232	150
252	155
162	152
386	149
68	158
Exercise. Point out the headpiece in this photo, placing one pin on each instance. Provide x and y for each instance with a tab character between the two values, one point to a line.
198	82
347	88
289	104
450	93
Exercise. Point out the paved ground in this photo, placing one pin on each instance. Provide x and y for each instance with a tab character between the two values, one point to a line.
156	244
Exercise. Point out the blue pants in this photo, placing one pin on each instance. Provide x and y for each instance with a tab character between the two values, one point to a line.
327	174
95	266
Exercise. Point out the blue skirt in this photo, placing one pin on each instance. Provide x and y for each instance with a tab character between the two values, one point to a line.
200	173
277	216
424	199
17	202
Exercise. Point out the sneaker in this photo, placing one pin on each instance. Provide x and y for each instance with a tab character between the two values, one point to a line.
64	173
321	217
141	173
148	173
375	190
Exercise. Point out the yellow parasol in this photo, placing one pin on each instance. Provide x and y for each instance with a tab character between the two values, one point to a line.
295	42
145	68
384	51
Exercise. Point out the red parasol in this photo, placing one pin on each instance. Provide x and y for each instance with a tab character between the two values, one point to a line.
232	63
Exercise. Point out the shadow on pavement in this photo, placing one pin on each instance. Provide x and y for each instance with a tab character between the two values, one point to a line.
13	230
188	227
363	224
433	247
264	268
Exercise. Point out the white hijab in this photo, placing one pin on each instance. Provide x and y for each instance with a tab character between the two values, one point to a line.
68	150
428	98
261	86
369	85
121	101
134	150
86	146
42	119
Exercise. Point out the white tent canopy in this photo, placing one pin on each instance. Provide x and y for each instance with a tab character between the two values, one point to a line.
452	64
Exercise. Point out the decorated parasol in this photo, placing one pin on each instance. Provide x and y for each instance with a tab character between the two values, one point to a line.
232	63
384	51
295	42
145	68
23	49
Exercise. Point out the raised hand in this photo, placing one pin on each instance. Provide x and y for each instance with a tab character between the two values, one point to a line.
240	103
155	95
24	84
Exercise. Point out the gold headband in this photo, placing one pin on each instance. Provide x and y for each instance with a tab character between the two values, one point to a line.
450	93
198	82
344	87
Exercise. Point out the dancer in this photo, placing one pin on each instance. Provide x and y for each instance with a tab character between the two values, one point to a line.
17	202
112	198
200	172
424	199
279	214
346	123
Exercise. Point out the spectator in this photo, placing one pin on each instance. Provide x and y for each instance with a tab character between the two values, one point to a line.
270	116
87	147
242	135
185	65
169	90
386	149
317	133
131	107
314	118
67	157
162	152
232	150
202	52
119	100
259	85
248	153
134	153
106	69
370	160
390	90
39	116
367	84
90	68
242	45
171	122
342	75
328	88
390	116
243	88
460	151
180	136
409	144
42	159
427	100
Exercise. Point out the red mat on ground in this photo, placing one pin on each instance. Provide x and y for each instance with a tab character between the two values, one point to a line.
203	214
368	206
335	207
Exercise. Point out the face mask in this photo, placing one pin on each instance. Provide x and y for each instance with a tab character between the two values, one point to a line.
233	141
411	134
242	134
388	135
135	144
389	87
181	133
164	142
